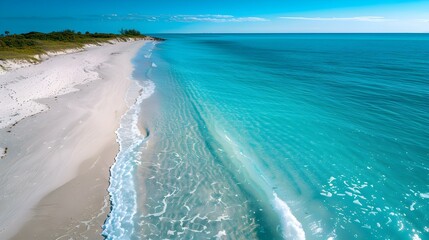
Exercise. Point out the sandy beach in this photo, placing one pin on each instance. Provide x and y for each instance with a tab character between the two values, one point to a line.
57	141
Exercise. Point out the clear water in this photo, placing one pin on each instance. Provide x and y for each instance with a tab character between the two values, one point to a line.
290	136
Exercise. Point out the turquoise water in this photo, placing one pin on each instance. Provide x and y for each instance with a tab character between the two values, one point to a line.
293	136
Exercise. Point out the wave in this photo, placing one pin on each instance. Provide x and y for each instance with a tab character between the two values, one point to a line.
123	197
292	228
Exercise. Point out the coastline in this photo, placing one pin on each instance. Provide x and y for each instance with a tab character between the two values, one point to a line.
56	171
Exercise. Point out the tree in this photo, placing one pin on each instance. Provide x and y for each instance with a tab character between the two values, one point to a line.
130	32
6	32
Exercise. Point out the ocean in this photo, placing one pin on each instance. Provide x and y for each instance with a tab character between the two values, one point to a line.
275	136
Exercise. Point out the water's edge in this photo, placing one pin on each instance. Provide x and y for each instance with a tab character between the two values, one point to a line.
123	197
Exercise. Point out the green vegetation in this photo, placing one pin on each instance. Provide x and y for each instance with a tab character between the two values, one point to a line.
130	32
27	45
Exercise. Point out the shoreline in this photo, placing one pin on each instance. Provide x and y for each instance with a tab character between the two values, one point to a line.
56	171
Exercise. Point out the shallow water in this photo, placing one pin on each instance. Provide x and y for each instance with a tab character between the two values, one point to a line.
276	136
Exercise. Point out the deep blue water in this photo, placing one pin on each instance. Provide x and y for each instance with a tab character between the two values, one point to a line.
276	136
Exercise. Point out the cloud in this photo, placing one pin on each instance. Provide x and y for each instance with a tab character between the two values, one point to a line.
422	20
128	17
357	19
215	18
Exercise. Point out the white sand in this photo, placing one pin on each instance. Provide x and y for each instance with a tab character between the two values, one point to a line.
13	64
55	76
73	142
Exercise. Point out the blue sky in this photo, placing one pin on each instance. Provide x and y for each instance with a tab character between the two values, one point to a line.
189	16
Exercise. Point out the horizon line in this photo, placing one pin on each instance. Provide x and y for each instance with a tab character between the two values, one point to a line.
291	33
148	33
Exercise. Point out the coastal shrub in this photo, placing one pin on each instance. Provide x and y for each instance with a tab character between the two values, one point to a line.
130	32
67	35
16	42
64	36
27	45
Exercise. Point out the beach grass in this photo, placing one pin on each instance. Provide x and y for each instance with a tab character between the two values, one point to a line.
28	45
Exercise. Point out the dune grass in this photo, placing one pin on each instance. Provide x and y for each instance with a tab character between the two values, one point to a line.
26	46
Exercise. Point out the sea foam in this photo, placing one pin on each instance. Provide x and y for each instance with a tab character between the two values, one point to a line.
292	228
123	197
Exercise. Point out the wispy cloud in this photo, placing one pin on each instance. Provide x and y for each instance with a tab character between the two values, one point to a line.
358	19
130	16
215	18
422	20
